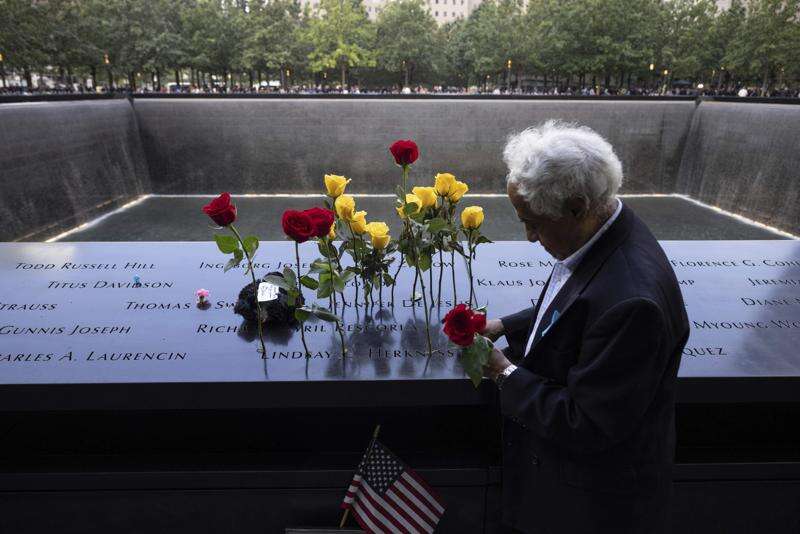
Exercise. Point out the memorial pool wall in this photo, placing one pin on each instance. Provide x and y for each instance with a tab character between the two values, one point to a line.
64	163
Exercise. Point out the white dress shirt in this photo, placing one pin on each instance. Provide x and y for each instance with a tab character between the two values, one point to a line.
562	270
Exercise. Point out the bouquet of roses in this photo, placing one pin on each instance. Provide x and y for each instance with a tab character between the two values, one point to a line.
462	325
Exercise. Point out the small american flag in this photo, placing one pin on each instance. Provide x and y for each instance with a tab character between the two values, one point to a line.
387	496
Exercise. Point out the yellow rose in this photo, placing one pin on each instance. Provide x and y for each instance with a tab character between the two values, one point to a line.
335	184
332	232
377	229
359	222
379	242
427	195
345	207
443	182
472	217
410	198
457	191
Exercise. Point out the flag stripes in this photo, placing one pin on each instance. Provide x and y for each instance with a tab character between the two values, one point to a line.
386	496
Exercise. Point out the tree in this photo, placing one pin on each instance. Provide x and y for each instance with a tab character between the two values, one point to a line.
341	37
215	29
768	41
406	38
275	37
688	47
727	26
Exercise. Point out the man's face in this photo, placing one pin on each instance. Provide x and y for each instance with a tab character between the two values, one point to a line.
555	235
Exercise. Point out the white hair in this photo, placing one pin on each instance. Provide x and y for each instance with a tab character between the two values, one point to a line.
557	161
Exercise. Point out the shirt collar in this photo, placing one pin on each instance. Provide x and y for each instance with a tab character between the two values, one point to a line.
574	259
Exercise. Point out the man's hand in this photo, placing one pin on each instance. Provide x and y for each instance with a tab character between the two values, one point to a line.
494	329
497	362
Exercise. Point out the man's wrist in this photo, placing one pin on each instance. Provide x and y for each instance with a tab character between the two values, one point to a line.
504	374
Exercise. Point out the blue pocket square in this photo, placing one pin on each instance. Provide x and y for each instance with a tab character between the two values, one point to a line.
553	320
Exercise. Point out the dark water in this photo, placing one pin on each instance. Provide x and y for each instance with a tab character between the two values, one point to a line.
180	219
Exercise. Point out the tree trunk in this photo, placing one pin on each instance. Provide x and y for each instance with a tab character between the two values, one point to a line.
252	80
94	77
132	81
344	73
765	83
178	79
158	80
283	79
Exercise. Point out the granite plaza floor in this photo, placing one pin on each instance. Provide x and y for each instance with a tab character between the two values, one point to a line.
179	218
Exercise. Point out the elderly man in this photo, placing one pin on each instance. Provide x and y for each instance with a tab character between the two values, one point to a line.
588	435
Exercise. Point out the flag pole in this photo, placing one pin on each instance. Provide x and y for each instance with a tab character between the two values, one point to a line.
369	451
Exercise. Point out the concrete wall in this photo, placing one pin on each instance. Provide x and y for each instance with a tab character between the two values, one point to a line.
745	158
62	163
287	145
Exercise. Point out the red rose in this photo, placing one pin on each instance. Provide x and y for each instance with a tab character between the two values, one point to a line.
298	225
461	324
405	151
322	220
221	210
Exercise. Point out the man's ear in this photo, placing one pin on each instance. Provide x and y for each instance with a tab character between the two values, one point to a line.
576	207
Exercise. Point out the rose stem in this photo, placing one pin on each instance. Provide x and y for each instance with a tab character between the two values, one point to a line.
363	277
380	291
300	296
430	281
255	288
469	266
339	266
424	297
333	294
355	262
397	273
441	270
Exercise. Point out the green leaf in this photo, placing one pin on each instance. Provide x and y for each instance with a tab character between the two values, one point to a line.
424	262
320	266
347	275
250	244
482	239
291	298
436	225
226	243
324	314
230	265
339	282
327	250
291	278
410	208
238	256
387	279
474	357
278	281
301	314
325	289
309	282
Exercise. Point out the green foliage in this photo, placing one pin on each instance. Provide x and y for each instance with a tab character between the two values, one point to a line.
572	42
474	357
406	38
340	37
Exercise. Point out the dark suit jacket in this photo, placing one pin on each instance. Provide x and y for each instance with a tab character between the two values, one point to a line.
589	430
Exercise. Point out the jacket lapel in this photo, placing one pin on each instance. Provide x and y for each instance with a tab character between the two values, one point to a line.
595	257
